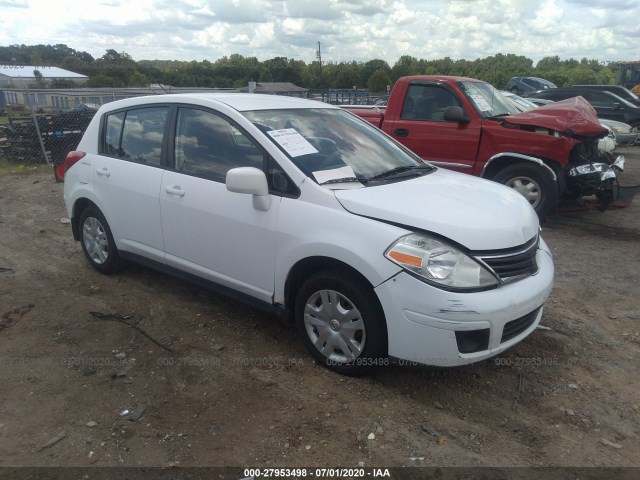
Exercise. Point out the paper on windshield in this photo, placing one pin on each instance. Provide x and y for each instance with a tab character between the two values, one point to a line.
292	142
322	176
481	103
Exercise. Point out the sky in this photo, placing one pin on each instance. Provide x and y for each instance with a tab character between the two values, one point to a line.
347	30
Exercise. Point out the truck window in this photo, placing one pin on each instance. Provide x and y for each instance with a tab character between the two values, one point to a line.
427	103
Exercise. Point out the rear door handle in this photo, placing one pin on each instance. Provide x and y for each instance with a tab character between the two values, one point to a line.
103	171
401	132
175	190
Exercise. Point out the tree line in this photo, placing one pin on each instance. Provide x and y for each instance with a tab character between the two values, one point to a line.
118	69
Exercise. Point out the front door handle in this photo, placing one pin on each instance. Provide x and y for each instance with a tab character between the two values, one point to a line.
175	190
103	171
401	132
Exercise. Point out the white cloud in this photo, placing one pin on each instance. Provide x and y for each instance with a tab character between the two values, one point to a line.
348	29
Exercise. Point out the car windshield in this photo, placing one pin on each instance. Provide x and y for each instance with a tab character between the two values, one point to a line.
545	83
335	146
489	102
624	101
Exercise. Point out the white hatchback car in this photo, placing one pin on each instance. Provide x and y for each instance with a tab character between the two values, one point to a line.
305	209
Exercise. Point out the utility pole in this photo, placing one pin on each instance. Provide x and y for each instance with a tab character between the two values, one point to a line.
319	58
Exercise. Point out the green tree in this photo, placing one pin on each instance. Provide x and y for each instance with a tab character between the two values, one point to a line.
40	81
406	65
378	81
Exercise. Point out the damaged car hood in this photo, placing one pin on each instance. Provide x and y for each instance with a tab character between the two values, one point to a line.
478	214
573	116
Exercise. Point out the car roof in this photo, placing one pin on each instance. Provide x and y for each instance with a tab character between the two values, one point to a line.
238	101
431	78
575	91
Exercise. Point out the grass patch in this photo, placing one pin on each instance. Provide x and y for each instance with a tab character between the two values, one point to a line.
10	167
3	120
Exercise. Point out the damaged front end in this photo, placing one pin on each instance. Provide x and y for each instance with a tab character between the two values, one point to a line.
588	171
591	172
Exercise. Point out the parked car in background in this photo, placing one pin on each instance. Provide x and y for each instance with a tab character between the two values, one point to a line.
625	134
310	212
524	85
619	90
86	107
606	104
539	101
520	103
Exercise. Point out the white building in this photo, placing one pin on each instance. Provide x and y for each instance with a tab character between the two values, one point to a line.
15	76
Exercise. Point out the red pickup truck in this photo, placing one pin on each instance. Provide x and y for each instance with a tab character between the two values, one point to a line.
467	125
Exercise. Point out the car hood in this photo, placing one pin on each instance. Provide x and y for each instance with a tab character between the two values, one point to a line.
573	116
476	213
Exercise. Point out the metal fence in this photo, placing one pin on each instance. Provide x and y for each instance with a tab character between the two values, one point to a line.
29	138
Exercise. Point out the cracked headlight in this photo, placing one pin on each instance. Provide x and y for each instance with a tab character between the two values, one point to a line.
439	263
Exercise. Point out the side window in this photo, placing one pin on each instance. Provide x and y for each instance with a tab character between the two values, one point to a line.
279	182
208	145
598	99
142	134
427	102
113	133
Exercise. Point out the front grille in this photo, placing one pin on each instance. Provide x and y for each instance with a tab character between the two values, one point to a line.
514	262
516	327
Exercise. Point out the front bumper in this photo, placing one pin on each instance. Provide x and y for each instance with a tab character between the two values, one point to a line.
602	171
425	324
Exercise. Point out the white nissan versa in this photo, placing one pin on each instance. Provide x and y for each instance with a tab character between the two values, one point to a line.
309	211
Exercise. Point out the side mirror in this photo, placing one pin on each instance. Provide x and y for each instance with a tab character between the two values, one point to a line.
250	180
456	114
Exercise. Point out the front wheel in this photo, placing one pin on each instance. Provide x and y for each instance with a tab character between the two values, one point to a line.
533	183
341	323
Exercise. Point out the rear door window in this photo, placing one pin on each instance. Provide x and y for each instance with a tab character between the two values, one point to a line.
136	134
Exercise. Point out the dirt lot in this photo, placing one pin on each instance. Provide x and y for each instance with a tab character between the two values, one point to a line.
238	389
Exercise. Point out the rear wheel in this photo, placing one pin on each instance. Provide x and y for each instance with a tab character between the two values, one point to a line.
341	323
533	183
97	241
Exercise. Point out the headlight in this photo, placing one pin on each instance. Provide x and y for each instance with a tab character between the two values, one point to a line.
439	263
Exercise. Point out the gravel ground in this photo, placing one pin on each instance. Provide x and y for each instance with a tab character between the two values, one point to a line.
238	389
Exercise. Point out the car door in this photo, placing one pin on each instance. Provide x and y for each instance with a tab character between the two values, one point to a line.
606	105
127	176
423	129
208	231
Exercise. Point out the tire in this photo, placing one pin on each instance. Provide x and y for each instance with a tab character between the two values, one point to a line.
97	241
534	183
514	90
341	323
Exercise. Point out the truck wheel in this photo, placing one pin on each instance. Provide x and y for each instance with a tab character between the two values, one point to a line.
533	183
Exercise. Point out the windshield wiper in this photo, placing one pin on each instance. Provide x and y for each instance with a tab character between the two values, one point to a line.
399	170
498	116
343	180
